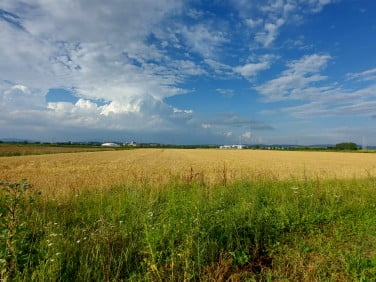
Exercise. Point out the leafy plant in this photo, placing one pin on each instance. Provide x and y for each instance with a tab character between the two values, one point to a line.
14	246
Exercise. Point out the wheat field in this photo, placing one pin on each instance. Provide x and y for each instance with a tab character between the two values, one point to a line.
69	172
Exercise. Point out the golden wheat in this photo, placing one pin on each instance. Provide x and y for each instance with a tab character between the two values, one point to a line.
65	173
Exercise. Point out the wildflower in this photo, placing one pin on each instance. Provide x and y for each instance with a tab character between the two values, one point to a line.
78	241
50	244
58	254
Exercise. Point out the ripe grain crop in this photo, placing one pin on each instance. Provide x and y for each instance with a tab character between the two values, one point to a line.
59	174
188	215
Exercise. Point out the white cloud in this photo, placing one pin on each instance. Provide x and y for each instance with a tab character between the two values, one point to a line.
302	81
115	21
106	59
253	23
296	81
247	135
146	114
317	5
219	68
251	70
203	40
133	55
269	32
308	64
225	92
368	75
266	18
118	108
18	97
186	67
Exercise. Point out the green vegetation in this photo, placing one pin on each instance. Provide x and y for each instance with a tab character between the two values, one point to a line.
346	146
24	149
252	230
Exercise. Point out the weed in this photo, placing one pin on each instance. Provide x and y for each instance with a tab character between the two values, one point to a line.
16	243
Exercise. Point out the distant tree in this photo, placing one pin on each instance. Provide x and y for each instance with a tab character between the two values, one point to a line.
346	146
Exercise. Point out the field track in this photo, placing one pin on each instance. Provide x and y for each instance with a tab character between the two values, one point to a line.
60	173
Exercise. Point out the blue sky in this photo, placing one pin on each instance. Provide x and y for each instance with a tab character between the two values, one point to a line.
189	72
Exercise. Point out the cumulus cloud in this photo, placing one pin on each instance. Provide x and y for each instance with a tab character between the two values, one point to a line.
108	59
20	97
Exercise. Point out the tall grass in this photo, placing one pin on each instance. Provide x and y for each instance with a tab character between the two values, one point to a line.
248	230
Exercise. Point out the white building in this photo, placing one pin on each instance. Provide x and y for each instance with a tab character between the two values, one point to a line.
110	144
232	147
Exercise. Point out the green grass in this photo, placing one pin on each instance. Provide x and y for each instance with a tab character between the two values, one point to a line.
249	231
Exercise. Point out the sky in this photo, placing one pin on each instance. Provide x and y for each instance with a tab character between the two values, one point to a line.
296	72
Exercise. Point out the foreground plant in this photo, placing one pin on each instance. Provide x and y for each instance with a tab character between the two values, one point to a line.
14	249
255	230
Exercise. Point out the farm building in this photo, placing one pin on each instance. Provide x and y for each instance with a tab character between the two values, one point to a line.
232	147
110	144
133	143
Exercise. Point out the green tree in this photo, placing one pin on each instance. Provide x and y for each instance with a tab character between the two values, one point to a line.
346	146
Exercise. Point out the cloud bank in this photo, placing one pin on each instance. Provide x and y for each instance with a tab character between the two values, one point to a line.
125	61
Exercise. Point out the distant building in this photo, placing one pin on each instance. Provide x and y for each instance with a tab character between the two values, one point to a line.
133	143
238	146
232	147
110	144
225	147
